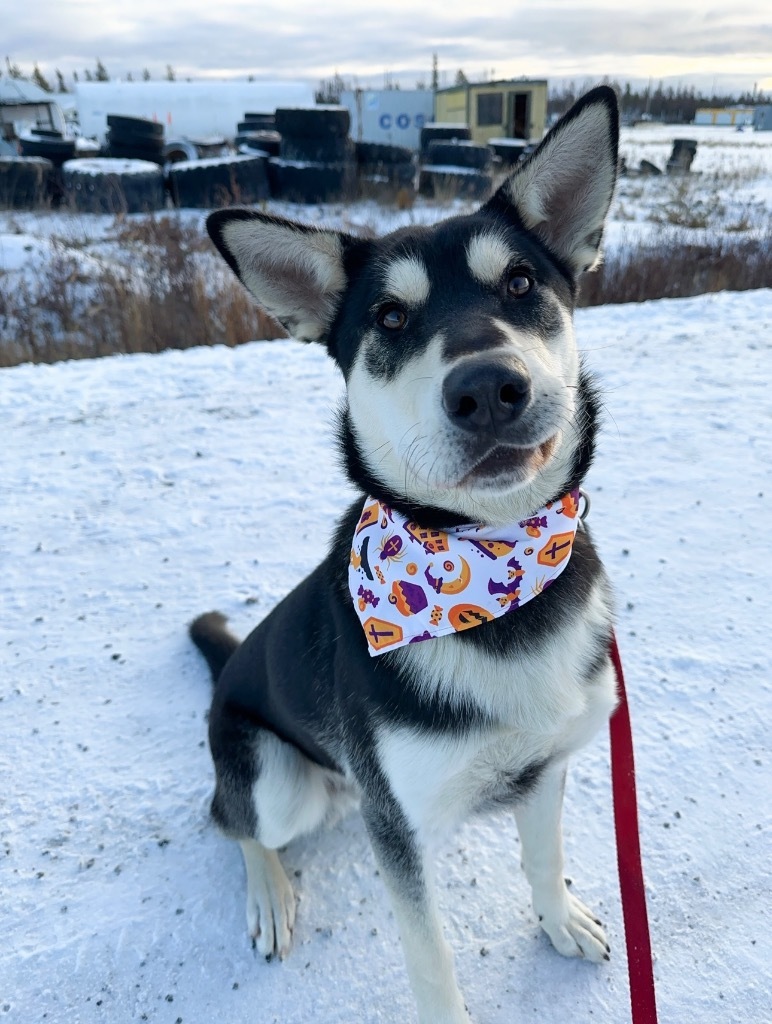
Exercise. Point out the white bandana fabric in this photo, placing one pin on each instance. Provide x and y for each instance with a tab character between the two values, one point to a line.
411	584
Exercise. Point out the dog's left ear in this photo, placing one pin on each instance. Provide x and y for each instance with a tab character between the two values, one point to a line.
295	272
563	190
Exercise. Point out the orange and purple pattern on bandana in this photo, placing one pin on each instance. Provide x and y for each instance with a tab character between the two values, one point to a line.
411	584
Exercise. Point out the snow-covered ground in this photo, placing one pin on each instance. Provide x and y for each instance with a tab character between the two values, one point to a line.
138	491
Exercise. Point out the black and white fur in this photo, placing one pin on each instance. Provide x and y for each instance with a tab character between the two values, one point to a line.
466	402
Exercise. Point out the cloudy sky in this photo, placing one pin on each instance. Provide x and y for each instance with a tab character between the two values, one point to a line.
305	40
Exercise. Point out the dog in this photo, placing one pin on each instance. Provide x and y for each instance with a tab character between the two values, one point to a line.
468	421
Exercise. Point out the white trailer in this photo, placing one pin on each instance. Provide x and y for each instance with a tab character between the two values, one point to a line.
186	109
391	116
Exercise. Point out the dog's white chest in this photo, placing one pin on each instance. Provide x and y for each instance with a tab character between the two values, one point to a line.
541	704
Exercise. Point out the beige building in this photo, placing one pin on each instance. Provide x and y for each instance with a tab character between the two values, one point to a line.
508	109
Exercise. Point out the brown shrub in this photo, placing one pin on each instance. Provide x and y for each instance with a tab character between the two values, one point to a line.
680	267
167	294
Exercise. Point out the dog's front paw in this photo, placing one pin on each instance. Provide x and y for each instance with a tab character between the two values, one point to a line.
574	929
270	904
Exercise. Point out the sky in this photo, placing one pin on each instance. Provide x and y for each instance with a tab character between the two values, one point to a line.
558	39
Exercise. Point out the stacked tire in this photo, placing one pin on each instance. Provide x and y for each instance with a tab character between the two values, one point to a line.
220	181
259	141
508	152
440	132
112	186
48	144
25	182
135	138
52	146
257	133
316	162
456	168
258	122
384	171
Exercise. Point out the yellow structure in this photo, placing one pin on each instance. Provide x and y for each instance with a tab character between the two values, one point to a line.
514	109
733	116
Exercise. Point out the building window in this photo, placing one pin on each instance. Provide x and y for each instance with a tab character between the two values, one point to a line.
490	109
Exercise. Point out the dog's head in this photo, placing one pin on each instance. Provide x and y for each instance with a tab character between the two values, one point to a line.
456	341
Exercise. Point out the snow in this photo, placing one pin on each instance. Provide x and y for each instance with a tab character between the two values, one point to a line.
452	169
97	166
214	161
139	491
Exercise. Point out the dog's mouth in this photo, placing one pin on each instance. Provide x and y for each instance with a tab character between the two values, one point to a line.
504	465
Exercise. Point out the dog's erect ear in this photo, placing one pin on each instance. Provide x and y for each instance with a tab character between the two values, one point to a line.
563	190
295	272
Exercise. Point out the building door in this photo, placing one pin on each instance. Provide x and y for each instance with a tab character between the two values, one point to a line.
519	115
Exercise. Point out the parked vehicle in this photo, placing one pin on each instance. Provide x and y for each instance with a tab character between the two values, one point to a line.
24	106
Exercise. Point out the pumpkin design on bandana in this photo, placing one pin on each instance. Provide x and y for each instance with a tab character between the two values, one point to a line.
428	583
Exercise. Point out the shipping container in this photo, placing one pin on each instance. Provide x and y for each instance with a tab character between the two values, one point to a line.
393	117
190	109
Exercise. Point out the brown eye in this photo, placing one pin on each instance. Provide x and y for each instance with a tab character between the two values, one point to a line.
393	318
519	284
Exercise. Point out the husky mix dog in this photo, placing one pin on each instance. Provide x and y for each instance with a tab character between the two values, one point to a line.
466	404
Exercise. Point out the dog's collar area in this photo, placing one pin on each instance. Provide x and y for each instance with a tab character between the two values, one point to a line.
586	505
411	583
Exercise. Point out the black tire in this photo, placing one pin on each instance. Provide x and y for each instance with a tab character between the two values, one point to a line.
313	122
682	156
24	182
334	149
121	151
376	153
399	175
267	141
135	126
312	183
137	139
454	182
509	151
257	123
444	133
458	154
178	150
386	189
56	150
646	167
227	181
104	185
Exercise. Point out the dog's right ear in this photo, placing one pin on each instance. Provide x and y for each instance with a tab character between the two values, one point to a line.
295	272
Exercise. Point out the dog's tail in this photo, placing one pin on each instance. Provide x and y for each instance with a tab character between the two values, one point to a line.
211	635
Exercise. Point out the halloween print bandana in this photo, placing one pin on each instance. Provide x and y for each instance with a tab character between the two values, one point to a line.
411	584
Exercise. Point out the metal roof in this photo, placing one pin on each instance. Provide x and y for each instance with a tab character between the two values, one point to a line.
19	90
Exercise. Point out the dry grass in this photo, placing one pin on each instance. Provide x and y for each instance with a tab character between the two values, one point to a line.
679	267
163	297
171	291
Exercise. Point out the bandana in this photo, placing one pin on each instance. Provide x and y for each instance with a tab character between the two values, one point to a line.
411	584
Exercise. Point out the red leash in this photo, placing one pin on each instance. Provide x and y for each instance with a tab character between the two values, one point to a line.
639	962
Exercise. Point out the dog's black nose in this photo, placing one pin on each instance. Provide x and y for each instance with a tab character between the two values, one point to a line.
486	395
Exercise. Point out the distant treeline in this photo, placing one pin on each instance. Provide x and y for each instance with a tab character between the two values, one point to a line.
676	105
